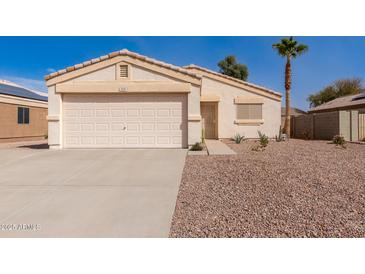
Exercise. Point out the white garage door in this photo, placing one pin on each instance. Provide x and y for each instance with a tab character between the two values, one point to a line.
124	121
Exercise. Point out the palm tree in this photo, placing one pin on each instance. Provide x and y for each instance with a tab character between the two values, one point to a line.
289	49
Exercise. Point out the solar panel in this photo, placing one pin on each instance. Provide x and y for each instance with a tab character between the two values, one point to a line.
20	92
359	97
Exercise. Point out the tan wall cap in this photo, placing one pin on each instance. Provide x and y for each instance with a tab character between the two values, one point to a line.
53	118
248	100
210	98
194	118
249	121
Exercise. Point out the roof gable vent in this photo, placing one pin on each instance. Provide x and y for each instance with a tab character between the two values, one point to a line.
123	71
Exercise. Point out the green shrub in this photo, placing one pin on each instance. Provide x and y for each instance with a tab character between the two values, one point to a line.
339	140
196	147
264	140
237	138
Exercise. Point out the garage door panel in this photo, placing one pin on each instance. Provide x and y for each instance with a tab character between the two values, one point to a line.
132	112
87	113
70	113
99	112
115	112
147	127
125	121
103	127
102	140
87	140
86	127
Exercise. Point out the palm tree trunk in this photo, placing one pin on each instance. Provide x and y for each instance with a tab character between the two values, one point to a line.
287	97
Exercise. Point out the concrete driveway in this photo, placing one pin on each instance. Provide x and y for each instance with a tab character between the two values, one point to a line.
88	193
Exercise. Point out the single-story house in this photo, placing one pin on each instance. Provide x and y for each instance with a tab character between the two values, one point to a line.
23	113
126	100
342	116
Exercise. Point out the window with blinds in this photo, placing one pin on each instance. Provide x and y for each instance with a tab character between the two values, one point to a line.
249	111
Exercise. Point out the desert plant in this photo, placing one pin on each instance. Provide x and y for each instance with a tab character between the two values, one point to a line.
279	137
237	138
264	140
306	135
196	147
339	140
203	135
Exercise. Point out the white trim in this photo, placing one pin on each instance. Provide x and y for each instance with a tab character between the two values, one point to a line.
8	99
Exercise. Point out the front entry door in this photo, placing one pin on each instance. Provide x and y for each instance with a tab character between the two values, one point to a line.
209	113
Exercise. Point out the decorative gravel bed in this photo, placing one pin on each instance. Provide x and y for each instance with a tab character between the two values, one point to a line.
291	189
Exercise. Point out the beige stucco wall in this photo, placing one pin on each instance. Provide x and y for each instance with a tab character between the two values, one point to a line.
194	117
109	74
54	125
105	74
271	111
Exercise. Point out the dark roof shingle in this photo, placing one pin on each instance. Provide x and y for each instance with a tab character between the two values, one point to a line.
20	92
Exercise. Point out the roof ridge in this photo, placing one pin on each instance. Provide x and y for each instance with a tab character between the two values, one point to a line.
123	52
232	78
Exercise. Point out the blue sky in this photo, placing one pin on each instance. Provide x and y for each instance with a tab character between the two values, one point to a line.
26	60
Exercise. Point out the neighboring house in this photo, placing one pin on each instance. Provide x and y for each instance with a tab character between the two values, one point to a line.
342	116
127	100
294	112
22	113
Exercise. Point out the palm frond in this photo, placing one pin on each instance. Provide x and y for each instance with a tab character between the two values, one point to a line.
288	47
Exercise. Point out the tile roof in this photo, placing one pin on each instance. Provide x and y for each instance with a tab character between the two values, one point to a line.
17	91
192	66
342	102
123	52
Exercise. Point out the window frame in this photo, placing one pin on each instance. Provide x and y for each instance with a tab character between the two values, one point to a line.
23	115
248	101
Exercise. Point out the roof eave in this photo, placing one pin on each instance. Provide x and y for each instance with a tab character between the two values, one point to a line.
112	55
269	91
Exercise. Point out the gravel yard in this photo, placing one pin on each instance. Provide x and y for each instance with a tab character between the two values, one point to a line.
291	189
